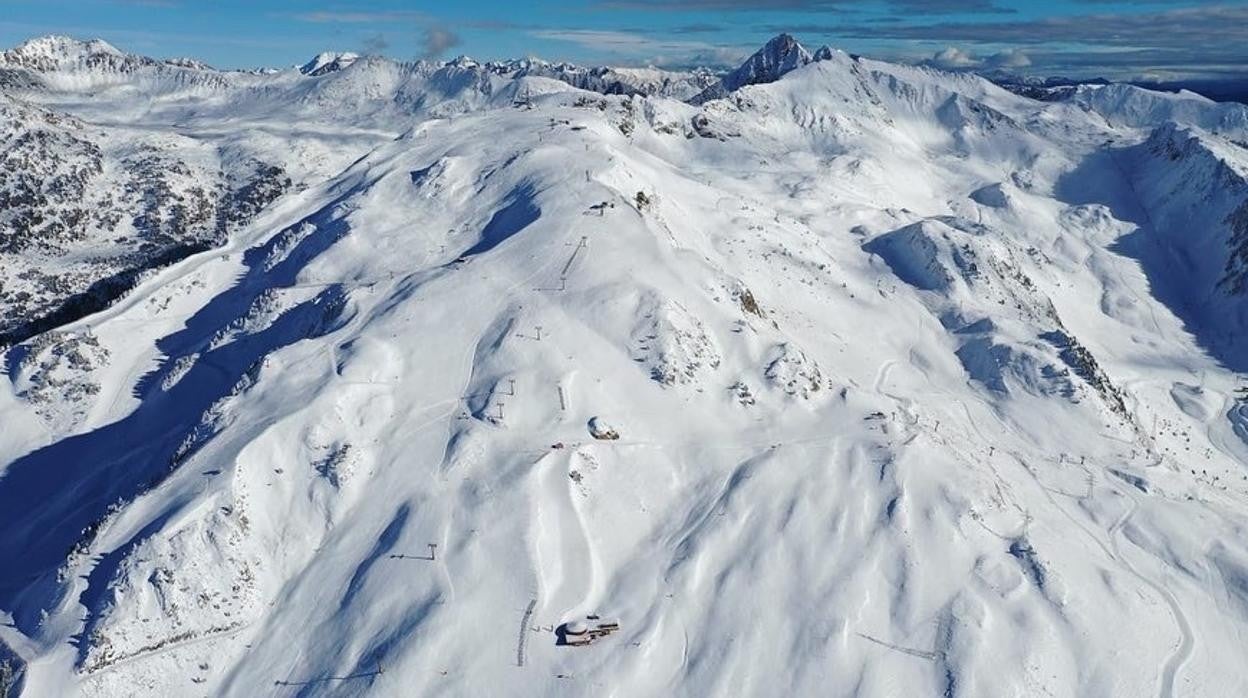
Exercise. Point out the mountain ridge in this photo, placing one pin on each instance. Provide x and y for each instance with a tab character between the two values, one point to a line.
863	379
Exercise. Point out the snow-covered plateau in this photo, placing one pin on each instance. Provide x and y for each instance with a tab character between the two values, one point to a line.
824	377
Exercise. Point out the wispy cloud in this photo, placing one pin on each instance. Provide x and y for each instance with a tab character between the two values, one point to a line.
337	17
433	38
494	25
645	48
820	6
1151	64
436	41
698	28
168	4
1174	28
375	44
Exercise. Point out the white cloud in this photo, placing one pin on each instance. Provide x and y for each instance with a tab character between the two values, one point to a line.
954	57
1013	58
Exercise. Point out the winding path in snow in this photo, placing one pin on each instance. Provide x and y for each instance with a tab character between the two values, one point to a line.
1183	650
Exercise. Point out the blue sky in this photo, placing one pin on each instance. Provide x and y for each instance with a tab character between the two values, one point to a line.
1146	39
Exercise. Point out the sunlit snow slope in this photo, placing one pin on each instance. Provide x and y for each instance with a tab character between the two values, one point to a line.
920	387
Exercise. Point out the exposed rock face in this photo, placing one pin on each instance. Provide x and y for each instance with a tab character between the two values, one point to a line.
779	56
83	211
326	63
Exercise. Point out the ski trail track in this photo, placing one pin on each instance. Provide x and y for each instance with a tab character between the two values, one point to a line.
1183	648
562	551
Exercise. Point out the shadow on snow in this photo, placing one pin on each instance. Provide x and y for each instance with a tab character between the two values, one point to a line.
53	500
1102	179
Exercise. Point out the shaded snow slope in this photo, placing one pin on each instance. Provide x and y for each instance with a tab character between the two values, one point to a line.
855	382
1193	189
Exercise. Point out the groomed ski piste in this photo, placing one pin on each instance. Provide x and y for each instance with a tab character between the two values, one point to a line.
918	387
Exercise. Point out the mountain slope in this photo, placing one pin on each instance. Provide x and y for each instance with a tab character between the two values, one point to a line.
895	410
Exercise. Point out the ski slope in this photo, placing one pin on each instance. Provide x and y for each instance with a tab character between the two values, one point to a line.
912	390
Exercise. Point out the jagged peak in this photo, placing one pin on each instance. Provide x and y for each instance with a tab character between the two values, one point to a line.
328	62
190	63
530	62
464	61
778	56
1180	141
783	42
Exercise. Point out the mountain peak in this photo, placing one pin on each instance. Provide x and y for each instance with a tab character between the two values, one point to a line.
190	63
62	45
55	51
58	54
781	54
782	42
328	62
778	56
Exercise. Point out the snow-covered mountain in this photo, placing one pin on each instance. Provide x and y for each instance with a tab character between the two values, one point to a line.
328	62
856	379
611	81
781	55
67	64
69	67
62	53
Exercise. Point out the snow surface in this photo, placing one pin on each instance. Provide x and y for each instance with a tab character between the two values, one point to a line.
921	388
